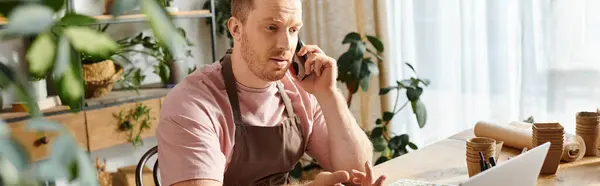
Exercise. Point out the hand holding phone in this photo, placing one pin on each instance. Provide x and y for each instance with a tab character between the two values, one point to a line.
299	61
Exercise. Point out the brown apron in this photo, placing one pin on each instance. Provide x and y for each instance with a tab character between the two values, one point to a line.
262	155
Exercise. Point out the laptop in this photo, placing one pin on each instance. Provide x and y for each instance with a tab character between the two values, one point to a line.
522	170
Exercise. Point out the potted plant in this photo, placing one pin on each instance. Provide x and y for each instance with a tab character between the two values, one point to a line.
99	75
168	67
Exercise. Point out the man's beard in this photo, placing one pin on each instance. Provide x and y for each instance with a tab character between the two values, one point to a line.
257	65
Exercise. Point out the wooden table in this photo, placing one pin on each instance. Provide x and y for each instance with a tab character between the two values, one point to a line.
444	162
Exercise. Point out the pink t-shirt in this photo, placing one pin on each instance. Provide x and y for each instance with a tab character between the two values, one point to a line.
196	130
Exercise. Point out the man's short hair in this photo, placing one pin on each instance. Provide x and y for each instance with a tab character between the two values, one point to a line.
241	8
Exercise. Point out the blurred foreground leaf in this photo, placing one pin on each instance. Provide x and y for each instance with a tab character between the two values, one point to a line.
28	19
65	78
40	56
163	28
91	42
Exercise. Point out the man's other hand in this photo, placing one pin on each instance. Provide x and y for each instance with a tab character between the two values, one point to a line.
328	179
366	178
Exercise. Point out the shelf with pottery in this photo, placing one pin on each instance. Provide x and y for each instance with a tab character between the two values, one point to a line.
96	126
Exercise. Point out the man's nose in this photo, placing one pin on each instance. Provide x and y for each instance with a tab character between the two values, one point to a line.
284	40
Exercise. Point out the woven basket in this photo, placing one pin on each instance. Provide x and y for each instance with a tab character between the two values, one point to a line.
100	78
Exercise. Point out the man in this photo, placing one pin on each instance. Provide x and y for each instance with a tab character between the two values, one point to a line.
246	120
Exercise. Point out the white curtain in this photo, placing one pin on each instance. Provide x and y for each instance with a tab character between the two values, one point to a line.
494	60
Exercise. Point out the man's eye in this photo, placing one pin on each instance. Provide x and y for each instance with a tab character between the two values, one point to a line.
293	30
271	27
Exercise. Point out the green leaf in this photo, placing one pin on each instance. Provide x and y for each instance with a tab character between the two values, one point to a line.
66	78
9	175
399	152
163	28
377	132
15	153
384	91
86	172
121	6
355	69
40	56
7	7
4	130
398	142
29	19
358	50
63	150
395	143
73	168
43	124
387	116
372	67
378	121
351	37
381	159
163	71
91	42
529	120
404	83
7	76
412	146
413	94
56	5
297	172
365	76
426	82
411	67
414	82
376	42
364	83
405	139
375	54
77	20
379	144
51	169
420	112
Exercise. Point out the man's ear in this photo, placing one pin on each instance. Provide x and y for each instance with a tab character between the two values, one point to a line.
235	28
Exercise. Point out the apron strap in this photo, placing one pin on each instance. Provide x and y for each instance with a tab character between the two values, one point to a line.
286	101
230	86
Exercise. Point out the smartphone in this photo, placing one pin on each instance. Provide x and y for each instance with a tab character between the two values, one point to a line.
298	62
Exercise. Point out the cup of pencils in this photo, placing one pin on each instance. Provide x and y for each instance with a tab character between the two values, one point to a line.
481	154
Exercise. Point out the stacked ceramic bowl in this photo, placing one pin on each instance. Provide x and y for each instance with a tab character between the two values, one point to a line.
555	134
487	146
587	127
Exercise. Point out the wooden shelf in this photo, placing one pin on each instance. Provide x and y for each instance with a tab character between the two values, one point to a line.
95	127
116	97
124	96
108	19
